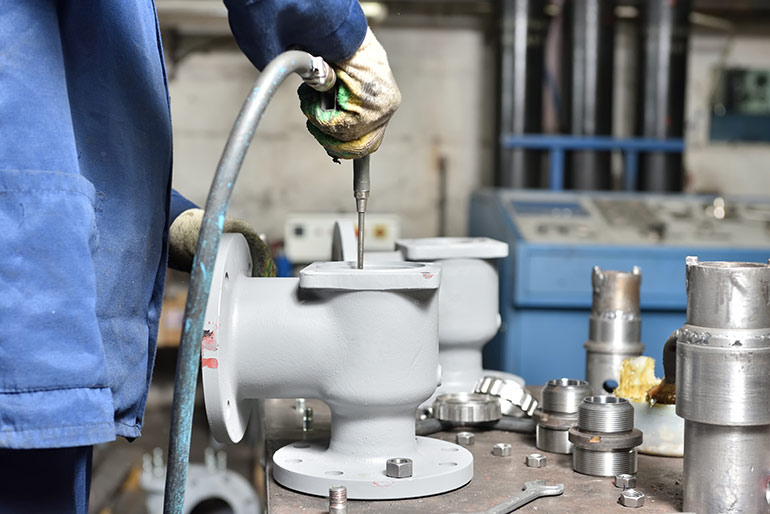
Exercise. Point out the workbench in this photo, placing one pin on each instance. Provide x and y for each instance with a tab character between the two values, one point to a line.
495	478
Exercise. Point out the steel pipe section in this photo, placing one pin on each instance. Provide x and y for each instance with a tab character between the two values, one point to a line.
615	325
722	380
523	27
662	72
589	34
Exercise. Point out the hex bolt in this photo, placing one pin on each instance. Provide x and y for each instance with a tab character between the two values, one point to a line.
466	438
338	499
210	459
535	460
398	467
158	467
221	460
631	498
501	450
624	481
307	419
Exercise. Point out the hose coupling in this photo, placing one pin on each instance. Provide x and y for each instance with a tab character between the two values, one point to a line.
321	76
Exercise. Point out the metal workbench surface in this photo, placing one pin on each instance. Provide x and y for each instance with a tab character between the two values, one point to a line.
495	478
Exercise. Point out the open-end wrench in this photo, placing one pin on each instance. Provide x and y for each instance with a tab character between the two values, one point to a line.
531	491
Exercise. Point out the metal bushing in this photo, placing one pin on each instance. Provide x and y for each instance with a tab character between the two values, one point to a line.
513	398
605	439
558	413
722	379
466	409
614	325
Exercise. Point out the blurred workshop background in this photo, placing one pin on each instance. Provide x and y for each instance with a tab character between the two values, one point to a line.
472	73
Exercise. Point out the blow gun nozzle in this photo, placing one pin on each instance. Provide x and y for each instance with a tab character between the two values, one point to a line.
361	194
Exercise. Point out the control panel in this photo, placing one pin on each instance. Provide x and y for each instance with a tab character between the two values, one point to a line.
619	219
556	238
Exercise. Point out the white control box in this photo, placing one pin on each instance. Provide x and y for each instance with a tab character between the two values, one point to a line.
308	236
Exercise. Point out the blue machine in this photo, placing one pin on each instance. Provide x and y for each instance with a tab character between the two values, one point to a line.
557	237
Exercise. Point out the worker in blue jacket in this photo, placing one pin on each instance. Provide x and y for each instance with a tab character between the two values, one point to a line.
87	212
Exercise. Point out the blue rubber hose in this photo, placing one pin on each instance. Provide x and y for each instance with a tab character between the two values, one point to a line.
319	75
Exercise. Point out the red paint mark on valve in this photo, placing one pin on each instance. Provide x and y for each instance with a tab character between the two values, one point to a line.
210	363
209	341
427	275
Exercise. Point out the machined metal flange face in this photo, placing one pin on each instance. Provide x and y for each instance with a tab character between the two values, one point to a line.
602	442
312	467
465	409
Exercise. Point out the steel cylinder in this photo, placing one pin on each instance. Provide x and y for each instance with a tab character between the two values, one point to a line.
558	413
722	380
615	325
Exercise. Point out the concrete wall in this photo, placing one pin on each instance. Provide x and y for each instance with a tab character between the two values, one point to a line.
729	168
445	112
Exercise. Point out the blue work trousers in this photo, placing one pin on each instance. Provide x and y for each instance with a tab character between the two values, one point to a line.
50	481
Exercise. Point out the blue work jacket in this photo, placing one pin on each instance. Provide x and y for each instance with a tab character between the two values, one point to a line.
85	200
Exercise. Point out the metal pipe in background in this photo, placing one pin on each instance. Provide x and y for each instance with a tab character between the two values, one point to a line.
319	75
722	380
588	68
662	76
522	63
614	326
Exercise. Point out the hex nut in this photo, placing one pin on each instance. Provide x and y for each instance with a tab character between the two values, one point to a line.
535	460
624	481
398	467
631	498
466	438
501	450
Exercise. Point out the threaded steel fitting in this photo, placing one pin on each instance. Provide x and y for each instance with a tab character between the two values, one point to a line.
605	439
338	499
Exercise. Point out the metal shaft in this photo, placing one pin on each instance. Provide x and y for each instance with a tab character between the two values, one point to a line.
722	379
361	194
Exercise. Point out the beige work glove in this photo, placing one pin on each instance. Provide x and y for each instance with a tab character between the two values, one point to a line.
183	239
351	122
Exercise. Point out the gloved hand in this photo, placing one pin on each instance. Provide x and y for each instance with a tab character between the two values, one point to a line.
363	100
183	238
